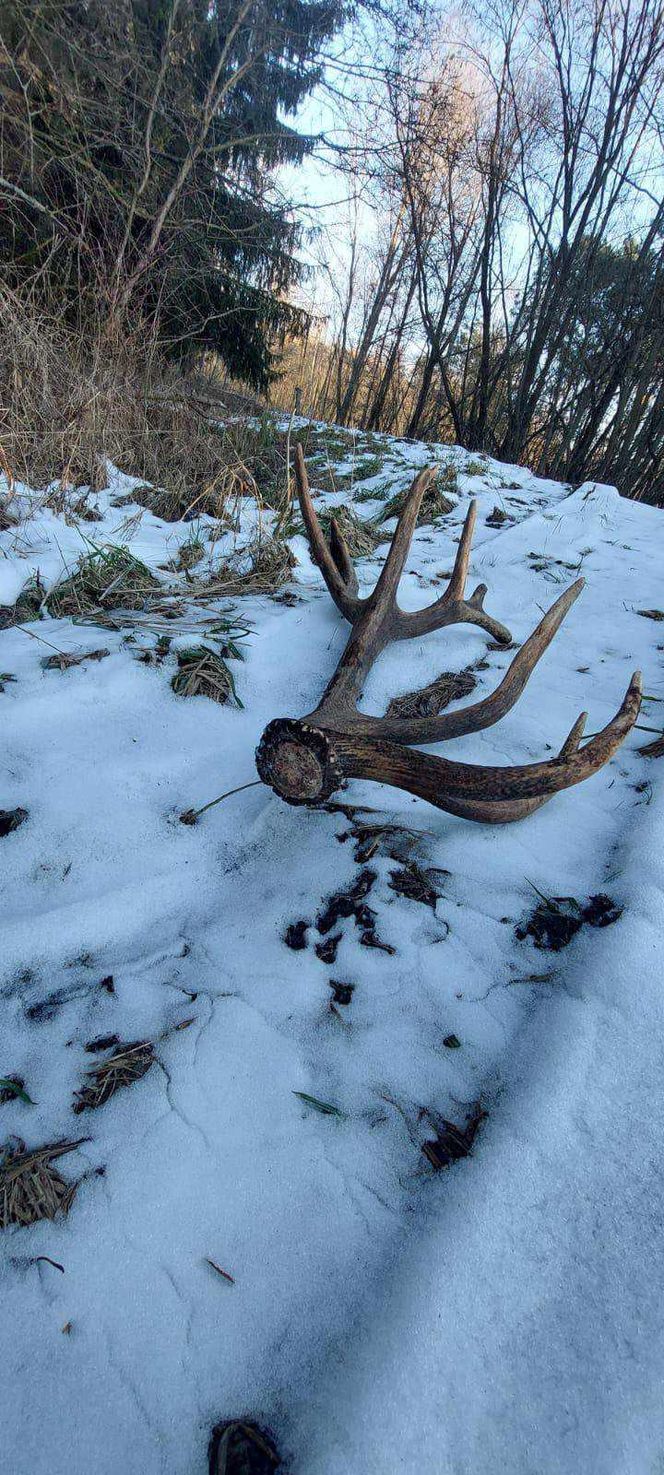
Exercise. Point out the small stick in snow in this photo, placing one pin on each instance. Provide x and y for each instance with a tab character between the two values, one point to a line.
190	816
219	1270
47	1259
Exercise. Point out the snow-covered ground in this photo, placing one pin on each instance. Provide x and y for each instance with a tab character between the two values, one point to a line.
498	1317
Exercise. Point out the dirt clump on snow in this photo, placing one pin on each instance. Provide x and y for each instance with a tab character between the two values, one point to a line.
557	919
10	819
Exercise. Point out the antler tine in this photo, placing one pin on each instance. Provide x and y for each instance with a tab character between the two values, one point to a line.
343	590
457	582
482	793
342	558
490	709
386	588
573	740
452	608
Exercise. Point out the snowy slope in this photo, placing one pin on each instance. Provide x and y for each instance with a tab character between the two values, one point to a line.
498	1316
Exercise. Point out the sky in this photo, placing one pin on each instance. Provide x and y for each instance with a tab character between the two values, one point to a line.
318	188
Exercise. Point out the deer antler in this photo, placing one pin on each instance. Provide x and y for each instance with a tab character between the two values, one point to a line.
304	760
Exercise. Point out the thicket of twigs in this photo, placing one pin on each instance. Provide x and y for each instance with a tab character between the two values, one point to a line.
502	276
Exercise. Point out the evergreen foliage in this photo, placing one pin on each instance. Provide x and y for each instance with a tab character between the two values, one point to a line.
138	140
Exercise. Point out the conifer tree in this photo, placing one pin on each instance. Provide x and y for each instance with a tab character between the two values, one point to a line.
138	144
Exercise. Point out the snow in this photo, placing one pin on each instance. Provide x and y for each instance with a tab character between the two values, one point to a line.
501	1315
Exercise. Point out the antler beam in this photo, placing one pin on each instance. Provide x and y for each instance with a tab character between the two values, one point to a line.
305	760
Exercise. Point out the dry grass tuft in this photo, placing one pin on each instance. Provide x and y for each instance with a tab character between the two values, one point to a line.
30	1187
72	402
435	502
128	1063
362	535
63	661
497	518
108	577
27	607
415	884
271	566
72	505
210	493
557	919
189	554
427	701
654	749
203	672
7	519
6	471
452	1143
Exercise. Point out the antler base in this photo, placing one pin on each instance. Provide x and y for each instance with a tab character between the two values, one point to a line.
298	761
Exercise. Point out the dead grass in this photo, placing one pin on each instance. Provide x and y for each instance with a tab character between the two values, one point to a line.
109	577
189	554
71	504
497	518
128	1063
203	672
654	749
64	661
30	1187
362	536
429	700
415	884
324	478
73	402
435	503
271	566
210	493
27	606
557	919
452	1143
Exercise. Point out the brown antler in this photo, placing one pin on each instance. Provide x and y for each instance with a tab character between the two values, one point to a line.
306	759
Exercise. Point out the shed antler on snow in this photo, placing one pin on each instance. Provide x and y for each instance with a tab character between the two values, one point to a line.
306	759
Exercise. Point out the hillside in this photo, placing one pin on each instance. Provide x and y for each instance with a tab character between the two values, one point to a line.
257	1229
